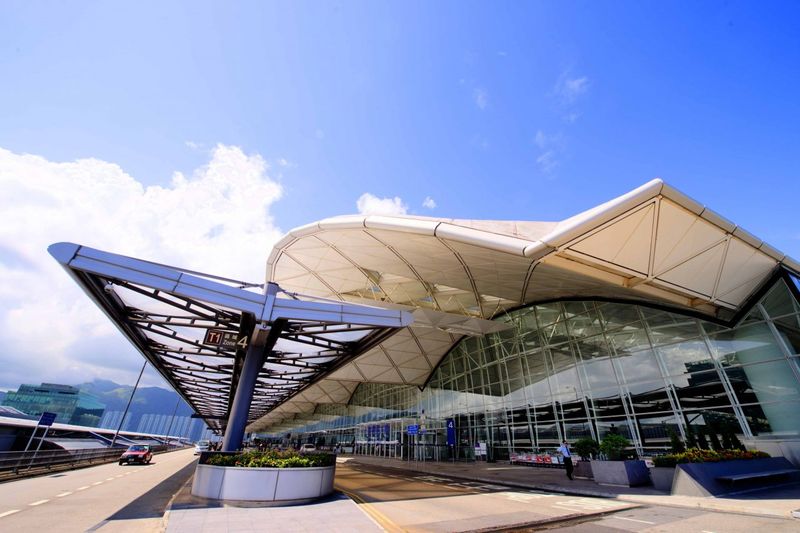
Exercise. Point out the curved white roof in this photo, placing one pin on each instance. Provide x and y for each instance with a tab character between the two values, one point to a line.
653	244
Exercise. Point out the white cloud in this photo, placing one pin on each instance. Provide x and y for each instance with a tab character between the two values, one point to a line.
547	161
481	97
369	204
215	220
193	145
550	146
429	203
568	89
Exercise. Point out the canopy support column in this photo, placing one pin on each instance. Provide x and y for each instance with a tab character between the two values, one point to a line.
237	421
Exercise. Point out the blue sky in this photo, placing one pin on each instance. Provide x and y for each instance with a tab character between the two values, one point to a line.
503	110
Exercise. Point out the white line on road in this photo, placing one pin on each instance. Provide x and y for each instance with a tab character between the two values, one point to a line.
64	494
119	475
632	519
109	479
83	488
97	483
40	502
12	511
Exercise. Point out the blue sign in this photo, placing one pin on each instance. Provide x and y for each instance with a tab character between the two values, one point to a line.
47	419
413	429
451	432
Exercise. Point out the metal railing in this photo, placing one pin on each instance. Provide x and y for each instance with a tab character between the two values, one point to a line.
32	462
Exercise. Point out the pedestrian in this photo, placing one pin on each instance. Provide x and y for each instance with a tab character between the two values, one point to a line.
564	449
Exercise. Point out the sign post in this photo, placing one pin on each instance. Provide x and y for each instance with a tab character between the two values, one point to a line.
45	420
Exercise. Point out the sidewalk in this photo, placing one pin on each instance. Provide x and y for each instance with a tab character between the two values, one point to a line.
779	501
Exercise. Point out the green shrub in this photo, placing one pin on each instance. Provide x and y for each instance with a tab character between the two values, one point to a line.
586	447
272	459
699	455
613	446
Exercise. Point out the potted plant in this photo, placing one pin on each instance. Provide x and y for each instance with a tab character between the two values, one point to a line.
617	470
585	448
270	475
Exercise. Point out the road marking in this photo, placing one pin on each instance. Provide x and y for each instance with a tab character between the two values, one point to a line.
119	475
83	488
523	497
109	479
97	483
634	520
378	517
64	494
40	502
588	504
12	511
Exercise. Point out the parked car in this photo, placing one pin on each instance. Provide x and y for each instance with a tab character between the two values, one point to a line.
136	453
202	446
308	448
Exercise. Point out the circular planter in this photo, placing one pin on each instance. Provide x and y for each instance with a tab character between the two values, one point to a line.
287	485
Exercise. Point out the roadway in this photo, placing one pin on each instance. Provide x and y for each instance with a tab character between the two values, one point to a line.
405	500
414	501
102	498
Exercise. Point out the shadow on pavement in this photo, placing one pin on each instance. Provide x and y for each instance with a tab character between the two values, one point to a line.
153	503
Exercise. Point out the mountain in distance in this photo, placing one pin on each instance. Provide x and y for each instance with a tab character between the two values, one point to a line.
147	400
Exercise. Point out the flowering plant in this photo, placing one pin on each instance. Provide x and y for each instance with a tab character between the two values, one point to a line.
699	455
272	459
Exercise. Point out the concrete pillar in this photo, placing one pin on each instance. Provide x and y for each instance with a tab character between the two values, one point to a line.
253	362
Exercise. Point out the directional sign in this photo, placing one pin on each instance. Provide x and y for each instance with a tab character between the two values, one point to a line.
451	432
413	429
47	419
225	339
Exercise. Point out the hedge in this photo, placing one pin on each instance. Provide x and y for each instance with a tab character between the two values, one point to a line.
273	459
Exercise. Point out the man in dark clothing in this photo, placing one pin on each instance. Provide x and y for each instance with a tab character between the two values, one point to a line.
564	449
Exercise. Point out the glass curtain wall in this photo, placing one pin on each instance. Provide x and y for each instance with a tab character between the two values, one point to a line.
577	369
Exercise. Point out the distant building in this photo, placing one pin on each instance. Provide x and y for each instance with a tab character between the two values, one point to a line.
70	405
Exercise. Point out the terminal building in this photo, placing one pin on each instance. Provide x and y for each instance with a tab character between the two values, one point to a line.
646	315
70	404
649	315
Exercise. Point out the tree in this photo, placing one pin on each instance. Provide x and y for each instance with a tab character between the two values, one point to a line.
613	446
586	447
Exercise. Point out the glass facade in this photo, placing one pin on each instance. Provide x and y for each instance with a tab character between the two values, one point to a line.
70	405
574	369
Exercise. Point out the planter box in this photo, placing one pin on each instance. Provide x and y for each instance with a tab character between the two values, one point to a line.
288	485
700	479
662	477
583	469
627	473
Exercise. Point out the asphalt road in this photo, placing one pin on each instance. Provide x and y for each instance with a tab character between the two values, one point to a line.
103	498
413	501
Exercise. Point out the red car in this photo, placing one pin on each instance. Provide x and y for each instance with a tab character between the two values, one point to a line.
137	453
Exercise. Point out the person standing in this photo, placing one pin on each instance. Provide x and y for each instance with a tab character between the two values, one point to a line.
564	449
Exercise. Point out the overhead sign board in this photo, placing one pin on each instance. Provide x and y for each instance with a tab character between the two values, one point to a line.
413	429
225	339
47	419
